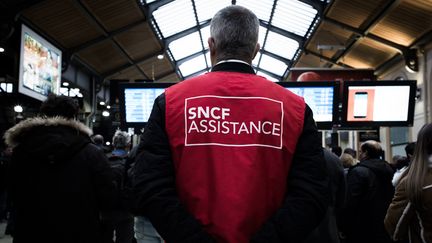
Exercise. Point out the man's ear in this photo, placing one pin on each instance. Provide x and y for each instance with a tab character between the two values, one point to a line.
212	48
257	47
211	43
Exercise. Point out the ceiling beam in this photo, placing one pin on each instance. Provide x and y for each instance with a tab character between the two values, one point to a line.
111	34
165	74
361	33
128	65
150	8
16	9
388	64
185	59
366	27
319	6
269	73
194	74
275	56
41	32
208	65
303	45
283	32
426	38
147	10
86	12
84	64
322	8
186	32
308	52
263	45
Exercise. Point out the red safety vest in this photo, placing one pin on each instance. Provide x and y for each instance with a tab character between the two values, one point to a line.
232	136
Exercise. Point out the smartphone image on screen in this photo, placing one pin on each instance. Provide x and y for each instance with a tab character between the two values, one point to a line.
360	104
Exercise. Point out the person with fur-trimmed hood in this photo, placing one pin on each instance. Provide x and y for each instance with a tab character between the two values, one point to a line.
59	180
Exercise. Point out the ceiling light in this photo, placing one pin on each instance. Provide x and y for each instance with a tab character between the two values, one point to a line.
2	49
18	109
105	113
108	107
107	143
102	103
330	47
160	56
66	84
411	60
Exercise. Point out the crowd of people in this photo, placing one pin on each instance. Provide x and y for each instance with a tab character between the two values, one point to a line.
188	183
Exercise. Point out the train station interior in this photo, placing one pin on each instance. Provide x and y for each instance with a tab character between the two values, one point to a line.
95	50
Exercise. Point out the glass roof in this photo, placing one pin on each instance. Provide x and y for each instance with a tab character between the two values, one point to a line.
185	46
280	45
194	65
261	8
184	28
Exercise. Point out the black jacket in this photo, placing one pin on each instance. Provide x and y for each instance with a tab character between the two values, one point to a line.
154	184
59	182
328	229
369	193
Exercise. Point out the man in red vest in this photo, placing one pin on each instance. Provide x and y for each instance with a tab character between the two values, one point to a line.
230	156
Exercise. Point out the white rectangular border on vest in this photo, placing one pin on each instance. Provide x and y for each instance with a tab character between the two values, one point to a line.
232	145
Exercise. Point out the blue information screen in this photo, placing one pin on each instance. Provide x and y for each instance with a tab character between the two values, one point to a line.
319	99
139	103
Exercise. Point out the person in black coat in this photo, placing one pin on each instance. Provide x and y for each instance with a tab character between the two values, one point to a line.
59	180
369	193
328	229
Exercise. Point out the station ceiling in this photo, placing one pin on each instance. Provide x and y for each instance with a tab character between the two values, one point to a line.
122	39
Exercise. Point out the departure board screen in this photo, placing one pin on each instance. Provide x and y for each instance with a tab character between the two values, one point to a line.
139	103
379	103
319	99
321	96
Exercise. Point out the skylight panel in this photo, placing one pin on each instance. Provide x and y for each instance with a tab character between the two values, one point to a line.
174	17
272	65
293	16
207	9
197	74
261	8
205	33
186	46
192	66
261	35
256	59
207	55
281	45
265	75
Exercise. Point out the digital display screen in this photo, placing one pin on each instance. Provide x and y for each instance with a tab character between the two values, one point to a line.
319	99
139	103
40	66
378	103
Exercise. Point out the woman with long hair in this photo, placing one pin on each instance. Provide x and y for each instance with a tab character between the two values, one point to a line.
410	213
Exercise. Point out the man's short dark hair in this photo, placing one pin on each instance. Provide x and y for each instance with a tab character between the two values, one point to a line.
60	106
409	149
98	139
373	149
337	150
